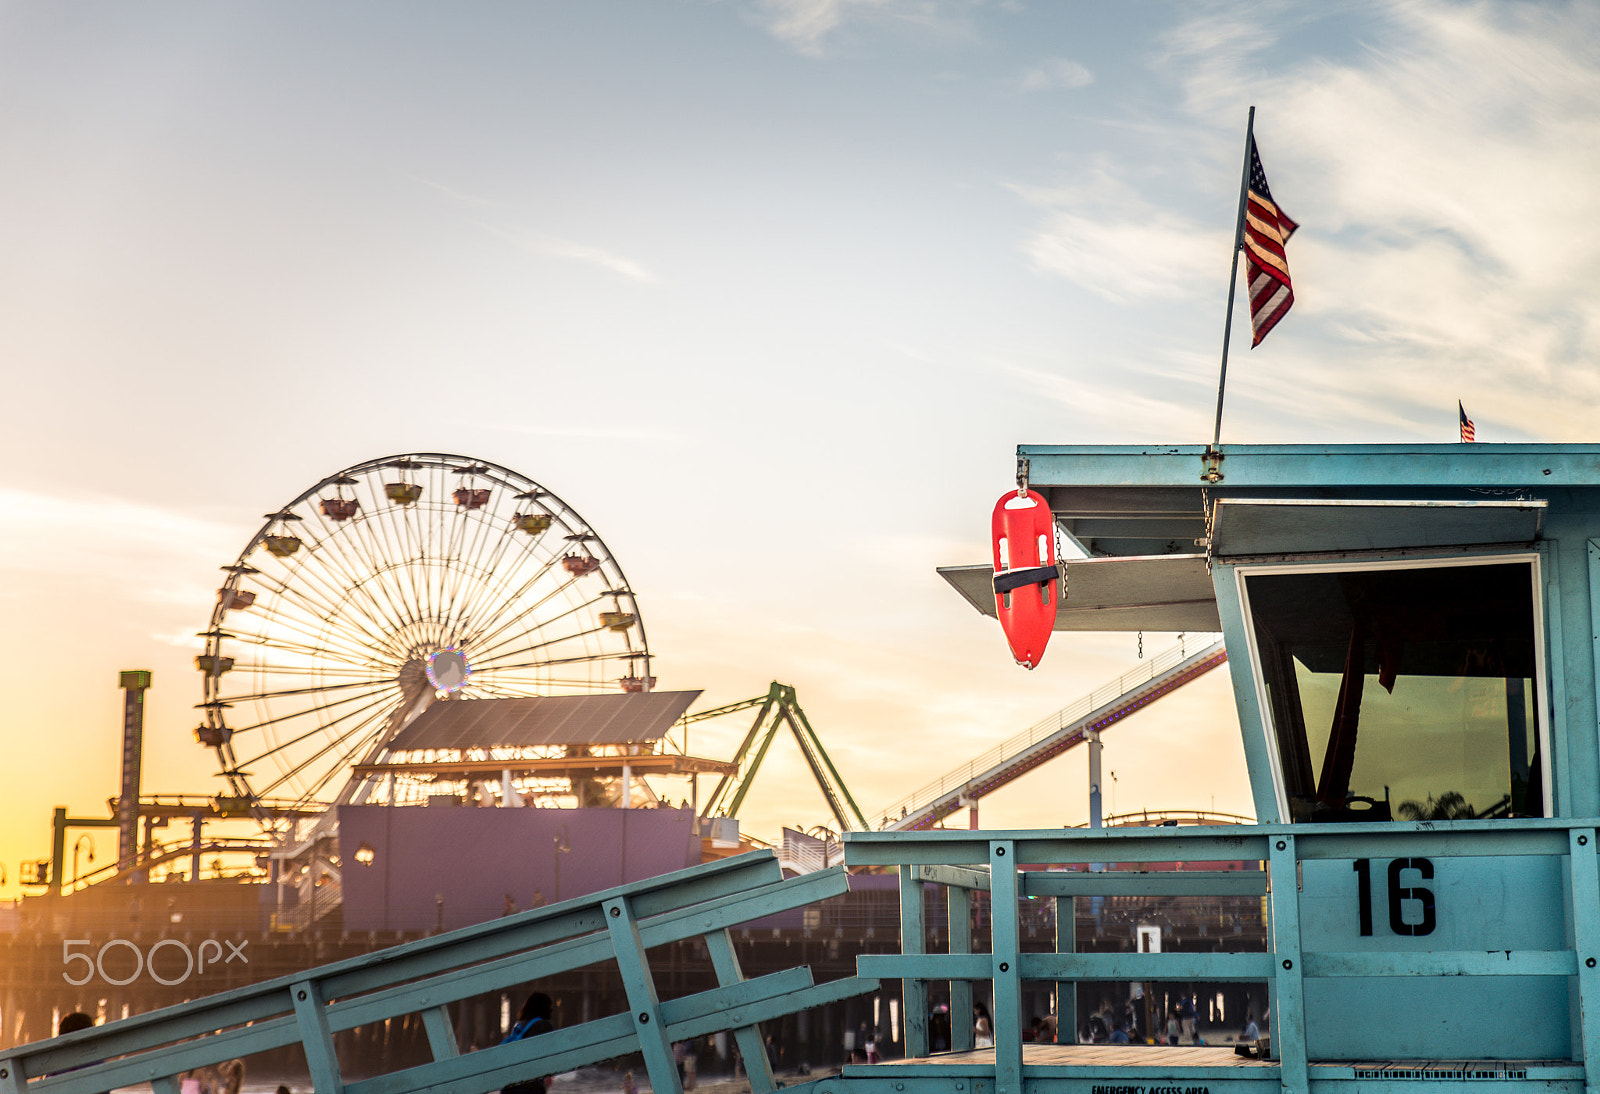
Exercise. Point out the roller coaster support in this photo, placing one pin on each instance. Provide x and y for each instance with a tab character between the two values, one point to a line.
779	706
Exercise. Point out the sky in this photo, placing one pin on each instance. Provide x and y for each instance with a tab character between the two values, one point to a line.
767	290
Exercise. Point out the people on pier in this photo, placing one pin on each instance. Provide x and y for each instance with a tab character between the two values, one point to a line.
939	1031
982	1027
73	1022
533	1019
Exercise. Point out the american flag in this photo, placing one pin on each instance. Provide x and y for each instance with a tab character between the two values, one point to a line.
1266	230
1468	434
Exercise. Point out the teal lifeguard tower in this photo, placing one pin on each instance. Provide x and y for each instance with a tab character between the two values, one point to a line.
1413	634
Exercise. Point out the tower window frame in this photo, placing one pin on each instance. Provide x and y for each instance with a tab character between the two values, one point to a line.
1278	675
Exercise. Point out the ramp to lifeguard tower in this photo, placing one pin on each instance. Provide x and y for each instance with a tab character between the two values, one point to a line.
1061	732
422	978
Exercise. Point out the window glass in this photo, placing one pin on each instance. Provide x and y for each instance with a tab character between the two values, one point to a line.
1404	693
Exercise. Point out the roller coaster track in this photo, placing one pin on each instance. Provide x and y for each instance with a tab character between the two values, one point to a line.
1054	736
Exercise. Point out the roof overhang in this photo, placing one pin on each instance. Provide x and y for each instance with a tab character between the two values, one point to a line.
1287	526
1154	593
1140	513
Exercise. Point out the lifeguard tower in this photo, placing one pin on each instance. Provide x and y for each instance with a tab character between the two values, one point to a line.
1411	635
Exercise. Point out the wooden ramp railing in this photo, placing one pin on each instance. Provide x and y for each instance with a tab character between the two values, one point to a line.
424	977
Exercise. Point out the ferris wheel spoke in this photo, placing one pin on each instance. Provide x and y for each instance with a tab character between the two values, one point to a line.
301	712
382	560
286	692
367	592
319	609
586	659
323	653
469	533
360	731
527	587
564	685
490	690
323	564
563	588
340	557
308	594
345	761
486	654
463	526
466	585
493	588
314	731
270	670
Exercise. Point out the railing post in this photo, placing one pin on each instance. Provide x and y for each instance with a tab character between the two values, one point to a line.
1288	1028
441	1032
1066	991
752	1050
959	903
316	1037
913	940
1585	875
12	1081
642	1001
1005	936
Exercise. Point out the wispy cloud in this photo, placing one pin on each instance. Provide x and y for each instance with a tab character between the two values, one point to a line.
1448	176
1101	235
808	25
585	433
58	534
1055	74
1106	407
597	256
550	246
539	242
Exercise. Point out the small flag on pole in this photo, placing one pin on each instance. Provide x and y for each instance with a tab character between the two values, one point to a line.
1468	434
1266	229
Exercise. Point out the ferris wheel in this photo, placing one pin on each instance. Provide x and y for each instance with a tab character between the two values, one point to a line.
389	586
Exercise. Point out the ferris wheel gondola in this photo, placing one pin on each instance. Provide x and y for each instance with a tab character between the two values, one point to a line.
387	587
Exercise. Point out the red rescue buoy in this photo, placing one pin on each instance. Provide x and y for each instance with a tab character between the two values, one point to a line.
1025	573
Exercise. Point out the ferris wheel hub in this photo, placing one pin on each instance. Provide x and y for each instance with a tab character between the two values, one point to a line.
448	670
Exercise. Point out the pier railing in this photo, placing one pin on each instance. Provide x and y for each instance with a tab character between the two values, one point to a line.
424	977
1047	732
1303	953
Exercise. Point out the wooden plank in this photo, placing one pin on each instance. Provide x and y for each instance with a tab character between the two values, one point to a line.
441	1032
1005	940
959	905
640	986
913	940
752	1049
311	1013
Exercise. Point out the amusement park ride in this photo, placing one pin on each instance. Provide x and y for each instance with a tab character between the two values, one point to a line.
1410	631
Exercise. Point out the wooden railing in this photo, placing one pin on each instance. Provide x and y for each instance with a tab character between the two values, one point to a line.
422	978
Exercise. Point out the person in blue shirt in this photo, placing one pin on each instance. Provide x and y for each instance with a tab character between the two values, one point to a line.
533	1019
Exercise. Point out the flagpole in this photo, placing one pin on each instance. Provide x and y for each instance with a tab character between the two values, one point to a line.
1233	273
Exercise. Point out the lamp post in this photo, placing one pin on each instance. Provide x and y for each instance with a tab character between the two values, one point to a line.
561	848
76	847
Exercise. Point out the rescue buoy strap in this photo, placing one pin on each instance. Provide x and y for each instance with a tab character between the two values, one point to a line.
1016	579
